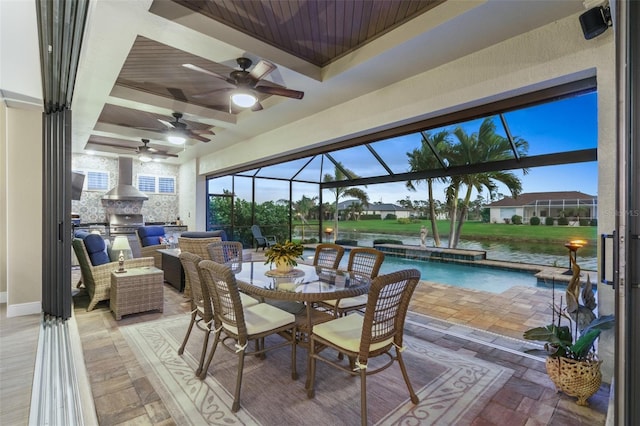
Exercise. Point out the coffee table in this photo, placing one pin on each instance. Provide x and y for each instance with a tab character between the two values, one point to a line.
136	290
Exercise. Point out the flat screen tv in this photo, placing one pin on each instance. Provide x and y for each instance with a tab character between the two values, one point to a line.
77	182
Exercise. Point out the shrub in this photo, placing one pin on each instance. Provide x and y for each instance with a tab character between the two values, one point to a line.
548	221
386	241
584	222
370	217
404	221
507	220
347	242
563	221
516	219
390	216
593	222
535	221
309	241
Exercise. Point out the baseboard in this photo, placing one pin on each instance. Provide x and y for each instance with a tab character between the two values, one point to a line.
21	309
3	297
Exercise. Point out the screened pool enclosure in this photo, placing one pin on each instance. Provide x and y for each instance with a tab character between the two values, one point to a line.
464	158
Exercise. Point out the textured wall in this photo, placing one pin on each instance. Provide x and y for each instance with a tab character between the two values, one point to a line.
158	208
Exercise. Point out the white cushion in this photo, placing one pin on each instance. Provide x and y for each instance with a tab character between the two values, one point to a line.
263	317
248	300
350	302
346	333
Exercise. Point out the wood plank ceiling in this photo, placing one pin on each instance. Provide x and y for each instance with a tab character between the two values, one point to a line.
317	31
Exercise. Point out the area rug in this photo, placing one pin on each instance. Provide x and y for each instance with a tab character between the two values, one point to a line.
452	388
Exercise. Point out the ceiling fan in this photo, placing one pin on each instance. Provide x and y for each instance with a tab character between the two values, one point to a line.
177	131
243	84
146	153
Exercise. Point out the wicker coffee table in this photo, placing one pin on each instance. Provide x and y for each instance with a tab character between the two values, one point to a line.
136	290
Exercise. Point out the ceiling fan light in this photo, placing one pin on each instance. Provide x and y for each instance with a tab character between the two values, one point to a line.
243	98
175	139
144	158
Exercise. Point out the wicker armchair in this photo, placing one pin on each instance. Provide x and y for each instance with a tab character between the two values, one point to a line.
241	323
379	332
149	240
365	261
97	279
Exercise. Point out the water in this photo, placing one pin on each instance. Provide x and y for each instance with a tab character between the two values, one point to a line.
508	251
488	279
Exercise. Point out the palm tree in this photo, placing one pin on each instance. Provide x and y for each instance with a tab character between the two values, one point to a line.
423	158
344	191
482	147
302	207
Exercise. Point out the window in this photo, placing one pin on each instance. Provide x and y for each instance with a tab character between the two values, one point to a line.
95	180
157	184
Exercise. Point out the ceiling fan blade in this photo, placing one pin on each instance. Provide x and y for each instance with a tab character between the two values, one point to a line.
212	92
280	91
178	94
166	123
203	132
211	73
262	69
198	137
128	148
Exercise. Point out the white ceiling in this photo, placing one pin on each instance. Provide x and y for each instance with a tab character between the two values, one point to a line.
449	31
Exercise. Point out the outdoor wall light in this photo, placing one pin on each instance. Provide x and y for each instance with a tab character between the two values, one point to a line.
243	98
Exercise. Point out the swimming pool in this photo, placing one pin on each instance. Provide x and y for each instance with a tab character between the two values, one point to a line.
494	280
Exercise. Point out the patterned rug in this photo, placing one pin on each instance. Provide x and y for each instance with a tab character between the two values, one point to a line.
452	388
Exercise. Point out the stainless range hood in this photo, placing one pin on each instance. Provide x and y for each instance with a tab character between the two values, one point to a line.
125	190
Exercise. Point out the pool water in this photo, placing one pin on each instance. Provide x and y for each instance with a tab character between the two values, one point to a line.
494	280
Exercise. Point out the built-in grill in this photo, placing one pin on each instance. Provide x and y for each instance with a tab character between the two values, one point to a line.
124	224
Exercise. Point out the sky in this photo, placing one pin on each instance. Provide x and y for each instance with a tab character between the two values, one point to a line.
559	126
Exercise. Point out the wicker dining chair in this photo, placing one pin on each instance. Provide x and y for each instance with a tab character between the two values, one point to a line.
228	253
201	307
379	332
328	255
241	324
364	261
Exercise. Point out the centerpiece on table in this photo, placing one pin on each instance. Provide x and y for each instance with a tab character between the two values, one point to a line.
284	255
572	363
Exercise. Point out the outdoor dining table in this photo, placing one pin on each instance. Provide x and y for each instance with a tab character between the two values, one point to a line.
306	284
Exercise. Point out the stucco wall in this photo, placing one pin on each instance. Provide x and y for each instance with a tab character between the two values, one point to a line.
23	164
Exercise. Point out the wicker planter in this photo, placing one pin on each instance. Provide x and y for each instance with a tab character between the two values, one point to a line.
575	378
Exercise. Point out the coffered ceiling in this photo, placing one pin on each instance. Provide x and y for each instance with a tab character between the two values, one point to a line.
132	70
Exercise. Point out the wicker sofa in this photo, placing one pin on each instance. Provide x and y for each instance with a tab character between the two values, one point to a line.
96	267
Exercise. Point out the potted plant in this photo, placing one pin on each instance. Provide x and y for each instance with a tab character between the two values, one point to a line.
572	363
284	255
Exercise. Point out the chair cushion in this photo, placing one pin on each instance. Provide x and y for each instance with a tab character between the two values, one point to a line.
350	302
263	317
346	333
208	234
97	249
150	235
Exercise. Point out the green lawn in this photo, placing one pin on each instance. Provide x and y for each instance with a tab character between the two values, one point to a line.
476	230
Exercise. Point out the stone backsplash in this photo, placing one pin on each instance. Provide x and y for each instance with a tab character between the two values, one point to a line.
93	209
